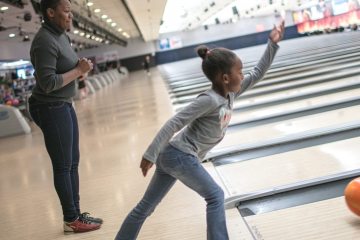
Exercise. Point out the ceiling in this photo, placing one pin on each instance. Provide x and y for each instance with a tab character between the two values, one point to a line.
134	18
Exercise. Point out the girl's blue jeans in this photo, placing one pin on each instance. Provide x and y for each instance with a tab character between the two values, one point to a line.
173	164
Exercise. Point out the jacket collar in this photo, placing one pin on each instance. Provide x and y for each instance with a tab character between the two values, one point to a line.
52	27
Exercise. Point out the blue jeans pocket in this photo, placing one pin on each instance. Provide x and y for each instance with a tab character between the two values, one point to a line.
176	162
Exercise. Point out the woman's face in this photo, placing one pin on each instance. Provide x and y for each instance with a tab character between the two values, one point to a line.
61	15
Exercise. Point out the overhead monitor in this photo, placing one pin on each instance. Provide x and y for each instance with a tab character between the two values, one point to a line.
170	43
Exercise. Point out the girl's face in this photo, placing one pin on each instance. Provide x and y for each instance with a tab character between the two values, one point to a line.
61	15
235	77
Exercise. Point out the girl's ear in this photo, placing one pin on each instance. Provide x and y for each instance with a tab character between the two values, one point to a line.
225	78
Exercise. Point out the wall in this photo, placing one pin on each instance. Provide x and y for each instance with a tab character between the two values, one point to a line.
223	31
133	55
230	43
225	35
14	50
135	47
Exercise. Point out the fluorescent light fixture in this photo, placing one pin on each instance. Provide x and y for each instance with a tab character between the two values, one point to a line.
119	29
97	10
109	20
90	4
76	32
82	34
16	63
12	35
4	8
104	16
113	24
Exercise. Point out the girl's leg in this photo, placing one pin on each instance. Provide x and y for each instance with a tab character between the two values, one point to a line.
159	186
192	174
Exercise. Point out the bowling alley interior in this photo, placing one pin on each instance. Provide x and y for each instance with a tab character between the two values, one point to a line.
100	113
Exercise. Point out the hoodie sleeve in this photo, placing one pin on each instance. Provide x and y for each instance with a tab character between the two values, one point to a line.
202	105
255	75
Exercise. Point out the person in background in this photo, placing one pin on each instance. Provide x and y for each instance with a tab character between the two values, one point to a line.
146	64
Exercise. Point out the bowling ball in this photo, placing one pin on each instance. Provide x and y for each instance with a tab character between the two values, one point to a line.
15	102
352	196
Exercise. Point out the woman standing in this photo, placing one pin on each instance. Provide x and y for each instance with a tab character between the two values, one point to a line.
56	69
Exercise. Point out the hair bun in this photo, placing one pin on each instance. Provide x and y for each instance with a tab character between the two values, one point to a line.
202	51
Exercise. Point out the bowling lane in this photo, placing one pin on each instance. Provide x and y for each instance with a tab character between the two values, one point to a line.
283	128
249	115
199	84
176	71
324	220
298	67
279	91
240	103
290	167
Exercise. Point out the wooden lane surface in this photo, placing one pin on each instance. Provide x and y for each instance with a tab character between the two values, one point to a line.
293	106
286	127
290	167
324	220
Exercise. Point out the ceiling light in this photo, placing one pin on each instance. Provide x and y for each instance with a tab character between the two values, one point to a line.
88	35
109	20
76	31
113	24
90	4
4	8
104	16
92	37
12	35
120	29
97	10
82	34
16	63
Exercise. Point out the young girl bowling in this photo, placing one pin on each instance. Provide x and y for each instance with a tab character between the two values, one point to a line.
203	124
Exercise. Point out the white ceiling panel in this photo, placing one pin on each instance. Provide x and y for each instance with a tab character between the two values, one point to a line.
116	11
148	15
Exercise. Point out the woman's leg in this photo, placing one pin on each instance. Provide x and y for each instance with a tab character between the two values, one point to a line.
55	121
74	173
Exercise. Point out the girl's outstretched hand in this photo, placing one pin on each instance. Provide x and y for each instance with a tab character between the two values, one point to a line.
145	165
278	32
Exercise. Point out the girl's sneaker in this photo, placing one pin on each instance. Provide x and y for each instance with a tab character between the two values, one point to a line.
86	216
80	226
